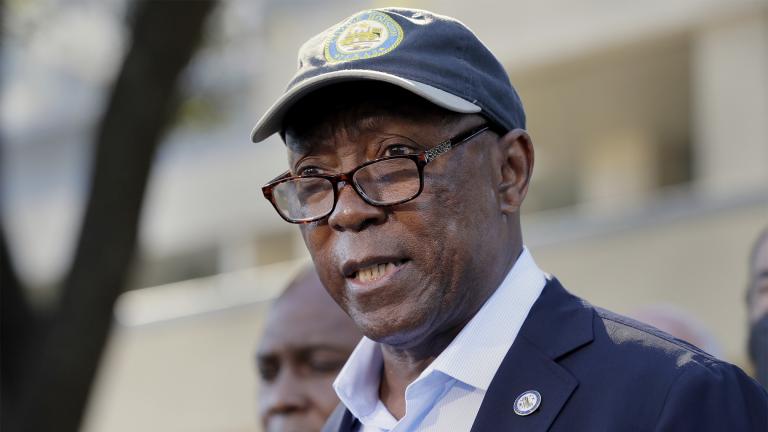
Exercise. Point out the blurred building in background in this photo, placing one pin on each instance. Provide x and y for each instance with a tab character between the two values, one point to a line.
651	176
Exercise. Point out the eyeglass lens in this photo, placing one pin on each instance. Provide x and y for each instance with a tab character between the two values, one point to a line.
383	182
304	198
388	181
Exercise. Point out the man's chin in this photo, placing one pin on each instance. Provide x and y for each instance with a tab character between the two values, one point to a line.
388	329
293	423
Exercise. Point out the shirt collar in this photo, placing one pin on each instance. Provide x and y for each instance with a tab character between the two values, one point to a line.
472	357
357	384
475	354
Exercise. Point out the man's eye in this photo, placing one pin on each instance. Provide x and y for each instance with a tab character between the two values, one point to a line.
326	365
268	370
307	171
398	150
325	361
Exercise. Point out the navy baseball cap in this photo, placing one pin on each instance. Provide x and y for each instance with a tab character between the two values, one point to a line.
433	56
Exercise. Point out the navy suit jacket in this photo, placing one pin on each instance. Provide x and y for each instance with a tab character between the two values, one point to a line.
599	371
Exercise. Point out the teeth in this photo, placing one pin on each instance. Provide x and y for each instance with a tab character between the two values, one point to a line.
374	272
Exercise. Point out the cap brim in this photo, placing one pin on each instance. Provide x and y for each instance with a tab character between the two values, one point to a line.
272	120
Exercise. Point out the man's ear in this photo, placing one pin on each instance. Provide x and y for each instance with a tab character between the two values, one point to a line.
516	169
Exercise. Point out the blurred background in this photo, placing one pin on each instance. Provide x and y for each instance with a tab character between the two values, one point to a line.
651	179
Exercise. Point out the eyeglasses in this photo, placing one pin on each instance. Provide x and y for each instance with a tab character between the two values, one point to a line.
381	182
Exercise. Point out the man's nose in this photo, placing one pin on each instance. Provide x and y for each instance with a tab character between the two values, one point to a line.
352	213
284	395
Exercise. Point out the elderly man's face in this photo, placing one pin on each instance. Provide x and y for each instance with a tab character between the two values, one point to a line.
306	341
409	272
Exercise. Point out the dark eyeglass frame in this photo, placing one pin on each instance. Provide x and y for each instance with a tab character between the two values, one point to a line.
421	159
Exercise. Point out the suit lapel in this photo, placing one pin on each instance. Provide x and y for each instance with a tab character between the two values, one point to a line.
349	422
557	324
341	420
525	368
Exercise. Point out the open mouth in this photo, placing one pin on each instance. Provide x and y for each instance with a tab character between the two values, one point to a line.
376	271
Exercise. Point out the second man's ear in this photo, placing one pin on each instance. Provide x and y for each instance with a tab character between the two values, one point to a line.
516	169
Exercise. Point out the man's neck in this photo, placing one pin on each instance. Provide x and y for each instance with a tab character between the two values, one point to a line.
396	374
403	365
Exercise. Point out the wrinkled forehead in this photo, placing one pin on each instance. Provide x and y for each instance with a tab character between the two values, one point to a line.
305	324
305	315
355	108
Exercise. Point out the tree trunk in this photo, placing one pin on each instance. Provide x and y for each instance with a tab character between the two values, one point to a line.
55	373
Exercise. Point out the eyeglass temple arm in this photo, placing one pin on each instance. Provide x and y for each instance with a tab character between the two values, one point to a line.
280	177
446	145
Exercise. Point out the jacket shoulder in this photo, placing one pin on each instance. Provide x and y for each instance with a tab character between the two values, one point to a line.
688	389
628	334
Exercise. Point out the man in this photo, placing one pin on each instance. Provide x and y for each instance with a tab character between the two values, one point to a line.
409	162
306	341
757	307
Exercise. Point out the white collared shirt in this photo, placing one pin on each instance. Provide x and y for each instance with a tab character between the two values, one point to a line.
447	395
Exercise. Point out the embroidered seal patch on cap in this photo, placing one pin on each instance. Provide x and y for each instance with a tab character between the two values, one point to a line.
527	403
365	35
